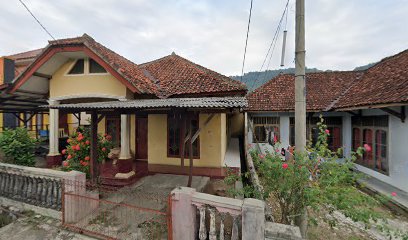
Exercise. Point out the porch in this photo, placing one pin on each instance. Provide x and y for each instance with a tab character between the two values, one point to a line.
186	136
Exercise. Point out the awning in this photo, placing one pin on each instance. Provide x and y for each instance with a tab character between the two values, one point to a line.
203	102
22	102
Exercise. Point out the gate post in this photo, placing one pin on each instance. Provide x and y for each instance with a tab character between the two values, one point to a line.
183	214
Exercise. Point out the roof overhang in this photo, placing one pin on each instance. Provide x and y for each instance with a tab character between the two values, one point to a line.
36	69
371	106
213	103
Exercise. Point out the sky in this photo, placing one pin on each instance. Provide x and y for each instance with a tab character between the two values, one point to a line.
340	34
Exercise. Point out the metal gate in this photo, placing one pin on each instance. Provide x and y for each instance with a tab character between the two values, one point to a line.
109	213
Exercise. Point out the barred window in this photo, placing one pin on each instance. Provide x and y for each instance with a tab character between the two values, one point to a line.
263	125
373	131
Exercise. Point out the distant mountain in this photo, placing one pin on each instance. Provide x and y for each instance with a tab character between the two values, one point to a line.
365	66
255	79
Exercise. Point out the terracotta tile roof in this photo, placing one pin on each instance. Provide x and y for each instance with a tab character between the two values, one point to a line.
168	76
323	90
385	82
176	75
23	59
129	70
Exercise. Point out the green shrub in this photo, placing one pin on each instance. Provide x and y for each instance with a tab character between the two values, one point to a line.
18	146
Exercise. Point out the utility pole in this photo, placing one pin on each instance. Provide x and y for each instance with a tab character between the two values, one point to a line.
300	80
300	97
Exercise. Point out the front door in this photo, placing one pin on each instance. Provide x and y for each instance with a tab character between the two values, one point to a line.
141	138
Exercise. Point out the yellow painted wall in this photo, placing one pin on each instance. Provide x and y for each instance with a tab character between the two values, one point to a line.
213	141
63	85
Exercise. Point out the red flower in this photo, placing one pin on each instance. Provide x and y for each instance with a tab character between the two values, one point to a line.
65	163
105	134
69	156
68	140
285	165
80	137
87	158
393	194
64	151
104	149
77	147
261	156
277	150
367	147
87	142
327	131
108	137
85	164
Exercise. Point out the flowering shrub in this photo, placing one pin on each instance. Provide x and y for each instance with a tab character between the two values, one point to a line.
317	180
77	153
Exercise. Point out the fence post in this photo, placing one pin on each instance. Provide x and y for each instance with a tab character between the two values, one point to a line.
63	201
183	215
253	219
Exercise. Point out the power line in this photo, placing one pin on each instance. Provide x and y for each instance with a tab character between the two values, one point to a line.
246	41
21	1
271	46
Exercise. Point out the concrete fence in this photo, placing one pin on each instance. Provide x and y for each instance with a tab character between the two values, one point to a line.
37	186
228	218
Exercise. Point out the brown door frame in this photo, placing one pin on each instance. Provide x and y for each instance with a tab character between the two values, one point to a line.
136	142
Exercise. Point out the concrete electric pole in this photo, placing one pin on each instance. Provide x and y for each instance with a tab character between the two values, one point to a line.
300	80
300	96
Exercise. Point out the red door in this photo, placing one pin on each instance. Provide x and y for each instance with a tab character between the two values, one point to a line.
141	138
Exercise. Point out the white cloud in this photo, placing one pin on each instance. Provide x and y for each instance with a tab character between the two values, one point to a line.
340	34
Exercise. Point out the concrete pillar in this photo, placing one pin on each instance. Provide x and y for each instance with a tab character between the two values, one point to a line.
253	219
284	131
54	157
125	137
183	217
125	159
347	132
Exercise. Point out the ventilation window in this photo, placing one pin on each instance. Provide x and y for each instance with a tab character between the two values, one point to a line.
94	67
78	68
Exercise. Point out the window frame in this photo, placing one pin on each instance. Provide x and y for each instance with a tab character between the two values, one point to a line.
265	121
179	123
116	120
359	124
73	65
89	68
311	123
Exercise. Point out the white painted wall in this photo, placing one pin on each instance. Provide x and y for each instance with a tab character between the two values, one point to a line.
397	152
397	143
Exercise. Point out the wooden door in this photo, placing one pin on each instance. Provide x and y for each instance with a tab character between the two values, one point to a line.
63	122
141	138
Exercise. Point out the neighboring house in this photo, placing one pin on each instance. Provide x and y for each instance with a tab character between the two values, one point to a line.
359	107
141	106
11	117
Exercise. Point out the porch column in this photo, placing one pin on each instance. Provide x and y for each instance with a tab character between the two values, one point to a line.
54	158
125	159
347	135
284	131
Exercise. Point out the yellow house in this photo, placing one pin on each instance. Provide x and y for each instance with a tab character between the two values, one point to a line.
149	109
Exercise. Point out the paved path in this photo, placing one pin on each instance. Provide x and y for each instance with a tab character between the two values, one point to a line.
38	227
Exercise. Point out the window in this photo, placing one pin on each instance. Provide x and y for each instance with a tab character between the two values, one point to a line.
113	129
334	125
265	127
94	67
175	133
373	131
381	163
78	67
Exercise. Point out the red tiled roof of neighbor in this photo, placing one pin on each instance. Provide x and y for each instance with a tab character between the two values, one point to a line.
384	83
323	90
23	59
176	75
